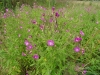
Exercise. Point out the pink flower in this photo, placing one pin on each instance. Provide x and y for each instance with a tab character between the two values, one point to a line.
27	74
29	47
50	43
34	21
83	51
82	33
36	56
77	39
6	10
4	16
53	8
41	27
76	49
51	20
26	42
43	19
84	72
43	14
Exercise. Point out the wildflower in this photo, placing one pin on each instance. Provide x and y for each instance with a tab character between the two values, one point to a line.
51	20
43	14
23	54
6	10
41	27
4	16
29	47
36	56
56	14
34	21
53	8
26	42
84	72
50	43
83	51
77	39
27	74
76	49
82	33
43	19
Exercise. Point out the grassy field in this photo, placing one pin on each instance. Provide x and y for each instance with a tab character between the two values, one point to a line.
51	41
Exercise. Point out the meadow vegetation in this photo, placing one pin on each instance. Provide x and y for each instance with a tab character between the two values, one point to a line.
39	40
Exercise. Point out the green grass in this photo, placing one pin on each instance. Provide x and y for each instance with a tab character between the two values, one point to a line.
60	59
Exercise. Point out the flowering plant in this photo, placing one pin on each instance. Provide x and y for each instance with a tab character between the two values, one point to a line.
51	45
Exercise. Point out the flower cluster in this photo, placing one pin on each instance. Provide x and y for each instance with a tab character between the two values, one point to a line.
78	40
28	45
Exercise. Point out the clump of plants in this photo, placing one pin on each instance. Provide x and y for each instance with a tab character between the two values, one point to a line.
42	41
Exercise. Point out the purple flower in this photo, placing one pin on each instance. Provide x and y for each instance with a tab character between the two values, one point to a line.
53	8
43	14
84	72
82	33
77	39
56	14
6	10
83	51
41	27
76	49
29	47
34	21
51	20
43	19
50	43
36	56
27	74
4	16
26	42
